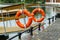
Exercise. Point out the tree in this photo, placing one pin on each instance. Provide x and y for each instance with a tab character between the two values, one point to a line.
9	1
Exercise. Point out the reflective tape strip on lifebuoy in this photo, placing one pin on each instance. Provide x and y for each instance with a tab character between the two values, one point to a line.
41	12
29	18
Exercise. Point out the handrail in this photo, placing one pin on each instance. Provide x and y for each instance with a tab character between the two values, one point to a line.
28	30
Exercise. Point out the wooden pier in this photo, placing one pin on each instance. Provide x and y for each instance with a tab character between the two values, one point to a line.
14	29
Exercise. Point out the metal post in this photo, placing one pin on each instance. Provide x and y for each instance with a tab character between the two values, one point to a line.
9	16
9	20
4	36
55	13
19	36
39	25
49	20
53	19
23	15
3	21
31	31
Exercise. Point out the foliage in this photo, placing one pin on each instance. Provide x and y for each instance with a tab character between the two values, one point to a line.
18	1
10	1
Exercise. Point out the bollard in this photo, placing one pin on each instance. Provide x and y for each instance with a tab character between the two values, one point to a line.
4	37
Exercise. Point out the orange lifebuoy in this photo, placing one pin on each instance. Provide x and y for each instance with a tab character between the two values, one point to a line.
41	12
29	19
18	14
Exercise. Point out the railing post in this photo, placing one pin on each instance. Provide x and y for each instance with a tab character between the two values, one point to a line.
31	31
19	35
49	20
39	25
53	19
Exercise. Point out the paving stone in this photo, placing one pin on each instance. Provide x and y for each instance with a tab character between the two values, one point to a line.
52	33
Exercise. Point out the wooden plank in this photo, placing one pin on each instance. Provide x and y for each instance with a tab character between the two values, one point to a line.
12	7
10	18
13	29
9	11
9	29
18	29
17	6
